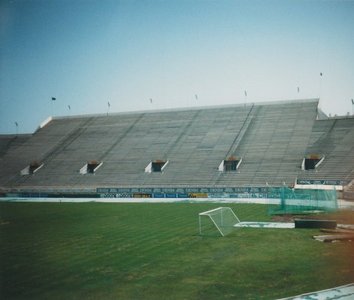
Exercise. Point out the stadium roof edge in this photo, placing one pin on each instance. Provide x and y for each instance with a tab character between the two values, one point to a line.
14	135
312	100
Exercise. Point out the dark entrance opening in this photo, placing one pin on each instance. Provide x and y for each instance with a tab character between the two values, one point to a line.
231	164
33	167
156	166
312	161
91	166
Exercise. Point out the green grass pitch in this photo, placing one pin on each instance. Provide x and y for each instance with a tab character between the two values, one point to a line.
153	251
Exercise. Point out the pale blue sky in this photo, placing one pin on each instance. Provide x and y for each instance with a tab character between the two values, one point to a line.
86	53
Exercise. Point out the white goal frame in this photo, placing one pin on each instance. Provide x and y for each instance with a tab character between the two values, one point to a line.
215	211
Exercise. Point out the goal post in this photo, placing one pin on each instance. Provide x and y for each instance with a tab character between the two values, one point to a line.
221	218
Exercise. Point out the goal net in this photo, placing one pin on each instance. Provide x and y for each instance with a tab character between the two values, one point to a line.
221	219
294	201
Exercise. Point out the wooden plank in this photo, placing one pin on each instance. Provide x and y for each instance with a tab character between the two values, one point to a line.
346	226
337	230
334	237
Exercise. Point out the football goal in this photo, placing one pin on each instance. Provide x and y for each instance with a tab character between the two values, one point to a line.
221	219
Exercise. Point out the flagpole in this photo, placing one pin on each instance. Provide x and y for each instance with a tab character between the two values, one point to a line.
321	74
53	99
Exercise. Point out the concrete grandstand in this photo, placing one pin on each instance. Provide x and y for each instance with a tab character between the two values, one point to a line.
194	152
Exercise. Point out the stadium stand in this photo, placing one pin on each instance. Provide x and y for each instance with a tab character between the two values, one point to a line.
11	141
333	139
267	142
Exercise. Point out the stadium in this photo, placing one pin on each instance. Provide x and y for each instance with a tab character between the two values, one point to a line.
220	151
195	158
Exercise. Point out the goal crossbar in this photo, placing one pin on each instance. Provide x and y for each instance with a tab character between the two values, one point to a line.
210	211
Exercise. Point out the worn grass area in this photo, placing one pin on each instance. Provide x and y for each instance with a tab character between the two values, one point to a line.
153	251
